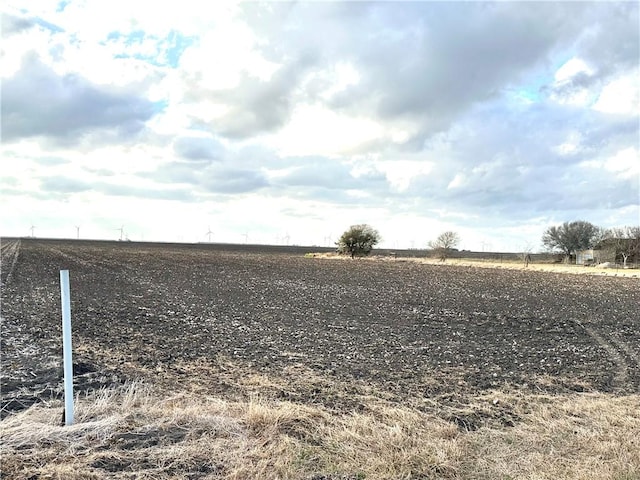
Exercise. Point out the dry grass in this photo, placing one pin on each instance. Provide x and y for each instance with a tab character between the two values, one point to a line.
592	436
540	267
506	264
136	432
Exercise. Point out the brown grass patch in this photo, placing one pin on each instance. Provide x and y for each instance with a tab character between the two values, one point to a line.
504	264
135	432
582	436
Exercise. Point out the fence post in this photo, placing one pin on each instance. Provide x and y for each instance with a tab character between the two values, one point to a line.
67	350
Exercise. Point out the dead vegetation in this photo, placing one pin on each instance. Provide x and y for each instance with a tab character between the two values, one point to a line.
136	432
563	268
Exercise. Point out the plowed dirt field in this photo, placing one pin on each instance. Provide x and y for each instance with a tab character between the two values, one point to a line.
223	319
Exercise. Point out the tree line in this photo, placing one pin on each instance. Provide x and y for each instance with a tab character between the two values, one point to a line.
567	239
573	237
359	240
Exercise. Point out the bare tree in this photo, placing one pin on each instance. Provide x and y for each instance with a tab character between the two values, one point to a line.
443	245
525	255
624	241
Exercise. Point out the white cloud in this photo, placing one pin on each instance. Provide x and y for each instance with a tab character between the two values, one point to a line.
222	55
457	181
15	47
571	145
571	68
624	163
401	173
341	76
568	87
309	117
316	130
621	95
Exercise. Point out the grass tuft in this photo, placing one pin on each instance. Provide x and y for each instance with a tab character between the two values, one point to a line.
136	432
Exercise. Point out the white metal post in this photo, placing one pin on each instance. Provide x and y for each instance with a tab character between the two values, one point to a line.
65	297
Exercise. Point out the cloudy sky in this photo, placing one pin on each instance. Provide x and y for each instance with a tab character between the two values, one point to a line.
287	122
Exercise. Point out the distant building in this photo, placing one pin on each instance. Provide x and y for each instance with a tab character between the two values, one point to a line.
585	257
620	250
605	251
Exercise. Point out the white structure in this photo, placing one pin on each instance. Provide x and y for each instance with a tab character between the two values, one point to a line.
65	297
585	257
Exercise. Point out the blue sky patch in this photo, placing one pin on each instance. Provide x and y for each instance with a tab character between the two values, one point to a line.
178	43
62	5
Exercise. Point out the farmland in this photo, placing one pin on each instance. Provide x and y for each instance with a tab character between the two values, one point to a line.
467	346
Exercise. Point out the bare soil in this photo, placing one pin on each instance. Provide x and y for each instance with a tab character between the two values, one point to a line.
221	320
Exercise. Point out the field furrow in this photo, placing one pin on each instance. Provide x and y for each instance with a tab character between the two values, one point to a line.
9	253
418	331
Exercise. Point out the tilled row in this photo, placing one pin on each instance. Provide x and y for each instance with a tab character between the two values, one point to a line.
399	326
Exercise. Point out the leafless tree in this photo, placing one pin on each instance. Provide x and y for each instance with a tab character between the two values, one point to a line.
444	244
525	255
624	241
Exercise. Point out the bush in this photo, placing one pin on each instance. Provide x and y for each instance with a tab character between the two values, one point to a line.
358	240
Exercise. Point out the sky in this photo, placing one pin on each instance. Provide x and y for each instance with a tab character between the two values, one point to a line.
285	123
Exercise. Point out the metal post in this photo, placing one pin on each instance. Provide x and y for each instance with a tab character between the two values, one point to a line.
65	298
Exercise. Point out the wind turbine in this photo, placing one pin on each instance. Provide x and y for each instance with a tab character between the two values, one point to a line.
327	240
209	233
77	232
121	230
286	238
246	237
33	227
